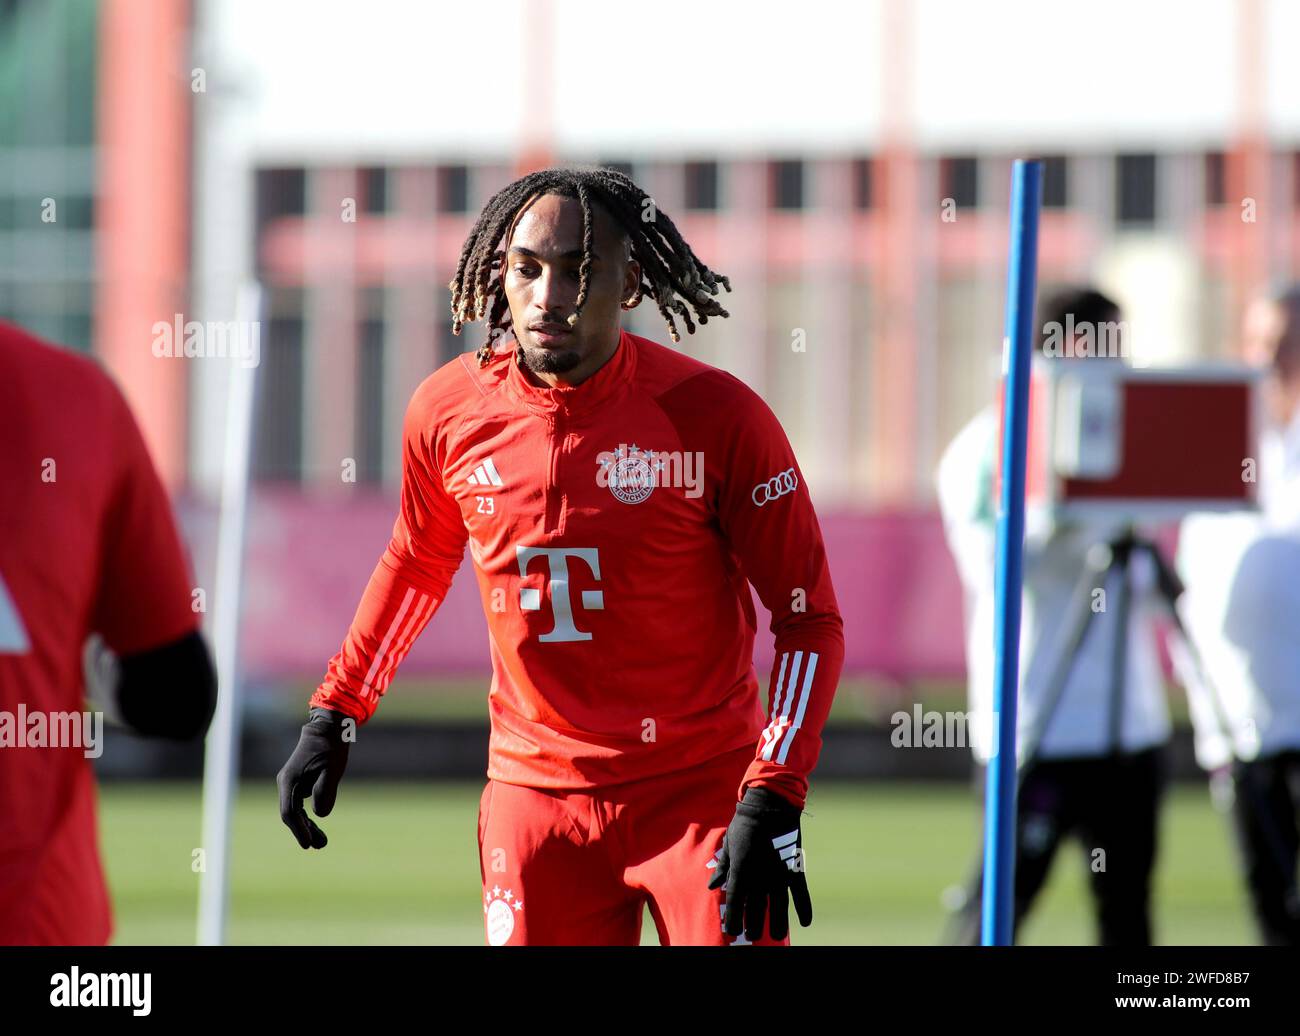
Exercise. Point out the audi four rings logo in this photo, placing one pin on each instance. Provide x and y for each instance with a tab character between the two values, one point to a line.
775	487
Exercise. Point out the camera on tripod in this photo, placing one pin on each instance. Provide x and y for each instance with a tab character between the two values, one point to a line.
1114	447
1107	440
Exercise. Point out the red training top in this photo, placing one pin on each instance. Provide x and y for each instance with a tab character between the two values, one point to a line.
87	544
613	526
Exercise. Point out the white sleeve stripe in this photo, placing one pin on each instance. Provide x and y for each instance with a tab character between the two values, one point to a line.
768	731
419	616
779	724
803	704
776	700
388	639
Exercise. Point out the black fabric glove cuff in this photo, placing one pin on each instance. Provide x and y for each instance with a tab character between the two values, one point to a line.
768	806
328	722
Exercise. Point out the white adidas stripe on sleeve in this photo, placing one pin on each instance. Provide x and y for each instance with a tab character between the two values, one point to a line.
409	620
770	730
803	705
780	722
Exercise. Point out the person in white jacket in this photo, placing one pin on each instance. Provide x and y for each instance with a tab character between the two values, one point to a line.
1089	773
1242	611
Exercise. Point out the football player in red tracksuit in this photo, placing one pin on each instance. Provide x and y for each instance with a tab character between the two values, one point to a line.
87	545
617	497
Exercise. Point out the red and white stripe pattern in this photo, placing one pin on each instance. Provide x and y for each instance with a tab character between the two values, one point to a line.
780	729
412	616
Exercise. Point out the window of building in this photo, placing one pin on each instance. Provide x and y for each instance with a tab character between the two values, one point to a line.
1135	189
277	449
47	150
370	388
280	192
959	180
862	183
700	185
1215	179
374	190
787	183
453	188
1056	193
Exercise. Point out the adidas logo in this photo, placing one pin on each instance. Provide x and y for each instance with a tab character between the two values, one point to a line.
485	475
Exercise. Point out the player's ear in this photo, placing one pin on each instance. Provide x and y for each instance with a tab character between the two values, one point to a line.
631	281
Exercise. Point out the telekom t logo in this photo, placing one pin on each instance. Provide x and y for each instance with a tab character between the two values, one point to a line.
557	558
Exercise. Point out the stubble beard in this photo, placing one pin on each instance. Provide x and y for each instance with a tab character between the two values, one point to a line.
548	361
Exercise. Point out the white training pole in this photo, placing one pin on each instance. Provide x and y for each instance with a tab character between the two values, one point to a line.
221	758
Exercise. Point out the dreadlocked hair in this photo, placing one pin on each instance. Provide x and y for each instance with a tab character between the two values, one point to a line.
671	273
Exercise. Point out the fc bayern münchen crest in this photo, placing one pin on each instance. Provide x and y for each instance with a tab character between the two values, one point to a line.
632	473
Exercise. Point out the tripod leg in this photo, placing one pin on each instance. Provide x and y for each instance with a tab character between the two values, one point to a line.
1119	652
1094	577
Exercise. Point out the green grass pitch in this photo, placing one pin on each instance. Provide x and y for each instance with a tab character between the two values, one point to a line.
401	868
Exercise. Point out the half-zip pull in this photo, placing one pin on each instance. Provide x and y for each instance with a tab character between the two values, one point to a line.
555	446
576	401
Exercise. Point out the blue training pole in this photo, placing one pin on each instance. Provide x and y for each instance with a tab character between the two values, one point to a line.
1000	793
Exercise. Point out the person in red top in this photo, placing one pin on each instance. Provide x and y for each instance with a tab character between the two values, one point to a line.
617	498
88	546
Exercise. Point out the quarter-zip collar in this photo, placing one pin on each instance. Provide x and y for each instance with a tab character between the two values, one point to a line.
603	387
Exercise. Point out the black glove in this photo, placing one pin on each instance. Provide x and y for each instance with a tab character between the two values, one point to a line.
762	861
315	768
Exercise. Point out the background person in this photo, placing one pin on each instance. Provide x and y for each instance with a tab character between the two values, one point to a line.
1242	609
1078	782
88	545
